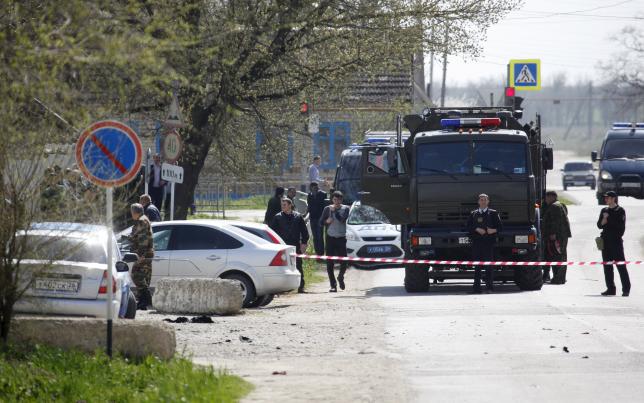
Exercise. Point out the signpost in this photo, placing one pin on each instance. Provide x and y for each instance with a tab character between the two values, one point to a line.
525	74
172	174
109	154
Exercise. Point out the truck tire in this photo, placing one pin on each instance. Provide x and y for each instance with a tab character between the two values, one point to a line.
416	278
528	278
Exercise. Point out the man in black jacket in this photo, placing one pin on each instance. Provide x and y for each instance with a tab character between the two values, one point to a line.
149	209
316	201
612	222
483	225
274	205
291	227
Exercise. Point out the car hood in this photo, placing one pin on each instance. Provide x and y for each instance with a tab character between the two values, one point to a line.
623	166
368	230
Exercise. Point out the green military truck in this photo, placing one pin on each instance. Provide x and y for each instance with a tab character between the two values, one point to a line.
431	184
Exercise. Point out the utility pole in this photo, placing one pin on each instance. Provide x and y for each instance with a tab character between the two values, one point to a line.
491	99
430	87
590	110
444	67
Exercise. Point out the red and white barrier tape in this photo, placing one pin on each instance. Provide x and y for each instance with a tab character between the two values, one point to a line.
461	262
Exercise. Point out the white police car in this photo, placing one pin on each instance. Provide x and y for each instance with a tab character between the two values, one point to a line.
369	234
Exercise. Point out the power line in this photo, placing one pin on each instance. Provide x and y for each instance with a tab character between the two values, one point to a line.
579	13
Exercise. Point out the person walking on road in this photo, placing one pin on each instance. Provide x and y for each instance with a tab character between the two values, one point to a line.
556	231
290	226
274	205
483	225
316	201
314	171
149	209
612	222
156	185
142	245
334	217
291	193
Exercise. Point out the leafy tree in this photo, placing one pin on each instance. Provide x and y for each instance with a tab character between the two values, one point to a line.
624	70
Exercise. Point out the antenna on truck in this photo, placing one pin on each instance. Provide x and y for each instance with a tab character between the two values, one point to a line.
398	130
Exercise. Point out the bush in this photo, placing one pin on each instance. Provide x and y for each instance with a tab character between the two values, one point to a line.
46	374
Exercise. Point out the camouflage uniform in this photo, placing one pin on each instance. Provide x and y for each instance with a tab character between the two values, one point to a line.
141	239
555	222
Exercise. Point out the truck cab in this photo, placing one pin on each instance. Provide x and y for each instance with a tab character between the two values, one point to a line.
431	185
621	161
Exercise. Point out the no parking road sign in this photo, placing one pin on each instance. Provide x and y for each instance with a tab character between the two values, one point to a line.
109	153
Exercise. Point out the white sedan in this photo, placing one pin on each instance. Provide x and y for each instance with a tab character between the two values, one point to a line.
369	234
64	272
217	248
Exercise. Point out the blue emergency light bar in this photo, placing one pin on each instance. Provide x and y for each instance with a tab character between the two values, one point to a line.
628	125
470	122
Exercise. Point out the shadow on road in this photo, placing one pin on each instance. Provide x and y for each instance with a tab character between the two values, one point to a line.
436	290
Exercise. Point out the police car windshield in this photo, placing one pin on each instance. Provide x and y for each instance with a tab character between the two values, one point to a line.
624	148
467	158
363	214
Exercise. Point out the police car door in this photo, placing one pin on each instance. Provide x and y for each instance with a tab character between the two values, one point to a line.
385	182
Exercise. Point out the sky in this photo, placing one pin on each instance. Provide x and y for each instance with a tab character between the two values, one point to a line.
569	36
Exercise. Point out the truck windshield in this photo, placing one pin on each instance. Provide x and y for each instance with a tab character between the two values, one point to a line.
478	157
443	159
492	157
348	176
624	148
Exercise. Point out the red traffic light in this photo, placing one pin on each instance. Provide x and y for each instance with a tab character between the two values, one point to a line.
304	107
510	91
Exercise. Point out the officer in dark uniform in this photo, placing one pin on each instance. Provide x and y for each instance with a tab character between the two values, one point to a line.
483	226
612	222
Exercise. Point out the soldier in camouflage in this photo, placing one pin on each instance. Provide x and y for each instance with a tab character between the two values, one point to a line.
556	231
141	244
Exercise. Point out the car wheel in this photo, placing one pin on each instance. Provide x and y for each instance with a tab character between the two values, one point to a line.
130	312
248	288
261	301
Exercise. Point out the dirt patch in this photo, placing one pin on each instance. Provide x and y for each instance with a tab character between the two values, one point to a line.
302	347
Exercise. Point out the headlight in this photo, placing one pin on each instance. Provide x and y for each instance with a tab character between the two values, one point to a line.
352	236
605	175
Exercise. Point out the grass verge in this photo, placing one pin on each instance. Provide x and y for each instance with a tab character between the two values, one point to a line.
45	374
312	273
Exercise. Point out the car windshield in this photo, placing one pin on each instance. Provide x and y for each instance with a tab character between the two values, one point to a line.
64	248
624	148
578	166
478	157
363	214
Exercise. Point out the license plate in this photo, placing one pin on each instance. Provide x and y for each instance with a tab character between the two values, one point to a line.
57	285
378	249
464	240
630	185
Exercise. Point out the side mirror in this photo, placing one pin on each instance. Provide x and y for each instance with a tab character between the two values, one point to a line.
593	155
548	159
130	257
122	267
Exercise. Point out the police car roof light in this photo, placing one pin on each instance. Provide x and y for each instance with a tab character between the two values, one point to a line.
628	125
470	122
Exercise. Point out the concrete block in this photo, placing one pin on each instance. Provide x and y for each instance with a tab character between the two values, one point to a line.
204	296
129	337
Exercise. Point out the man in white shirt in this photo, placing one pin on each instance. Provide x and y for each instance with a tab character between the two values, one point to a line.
314	170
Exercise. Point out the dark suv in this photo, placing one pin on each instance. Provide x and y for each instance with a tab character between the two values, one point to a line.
578	173
621	161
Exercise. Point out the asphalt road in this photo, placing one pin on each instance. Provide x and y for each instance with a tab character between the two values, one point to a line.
563	343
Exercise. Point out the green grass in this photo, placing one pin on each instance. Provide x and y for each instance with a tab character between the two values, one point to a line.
312	273
46	374
257	202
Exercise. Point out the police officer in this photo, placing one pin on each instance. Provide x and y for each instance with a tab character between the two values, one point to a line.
483	225
612	222
290	225
141	244
556	231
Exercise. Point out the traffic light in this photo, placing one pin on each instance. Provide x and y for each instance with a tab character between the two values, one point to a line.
304	108
509	96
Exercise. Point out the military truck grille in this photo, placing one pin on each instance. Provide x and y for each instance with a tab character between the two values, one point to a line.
378	238
433	215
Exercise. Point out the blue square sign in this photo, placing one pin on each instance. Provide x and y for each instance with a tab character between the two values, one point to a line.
525	74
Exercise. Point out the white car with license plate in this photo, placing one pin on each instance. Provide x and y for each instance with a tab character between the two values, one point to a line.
64	272
369	234
220	249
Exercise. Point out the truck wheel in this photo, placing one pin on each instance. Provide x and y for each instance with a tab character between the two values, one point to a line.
528	278
416	278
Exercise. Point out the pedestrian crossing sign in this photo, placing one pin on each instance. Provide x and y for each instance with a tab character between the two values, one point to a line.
525	74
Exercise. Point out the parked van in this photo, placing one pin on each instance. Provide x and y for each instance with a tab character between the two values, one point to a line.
621	161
